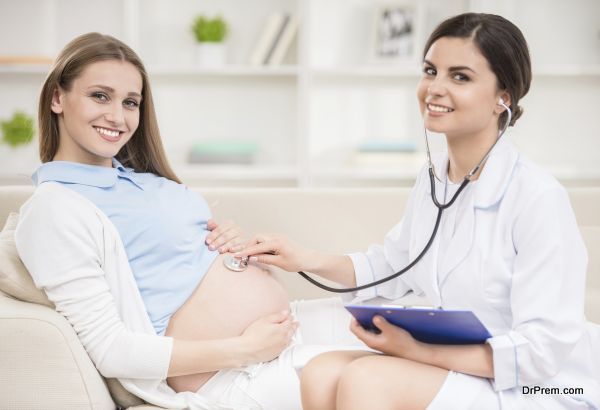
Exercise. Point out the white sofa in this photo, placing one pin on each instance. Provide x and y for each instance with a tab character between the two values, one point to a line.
43	365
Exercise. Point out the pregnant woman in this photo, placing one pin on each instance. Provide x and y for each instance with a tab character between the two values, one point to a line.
128	255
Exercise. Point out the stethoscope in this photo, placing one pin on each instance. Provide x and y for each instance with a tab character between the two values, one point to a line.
240	264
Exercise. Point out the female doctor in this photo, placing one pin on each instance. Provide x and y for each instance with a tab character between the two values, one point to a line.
508	249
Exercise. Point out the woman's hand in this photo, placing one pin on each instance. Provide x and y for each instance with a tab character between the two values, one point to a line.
392	340
279	251
268	336
476	360
225	237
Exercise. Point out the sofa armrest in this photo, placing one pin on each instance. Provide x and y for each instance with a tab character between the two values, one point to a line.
43	363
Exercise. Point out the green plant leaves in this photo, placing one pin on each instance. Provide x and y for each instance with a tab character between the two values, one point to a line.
209	30
18	130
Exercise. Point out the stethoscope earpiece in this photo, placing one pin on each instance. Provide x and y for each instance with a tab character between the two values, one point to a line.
503	104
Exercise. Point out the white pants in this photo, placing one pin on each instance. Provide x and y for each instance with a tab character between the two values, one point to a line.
275	384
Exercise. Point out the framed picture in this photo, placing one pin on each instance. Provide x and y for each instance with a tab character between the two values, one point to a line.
393	33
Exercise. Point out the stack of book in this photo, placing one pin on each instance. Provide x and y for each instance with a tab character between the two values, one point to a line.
223	152
385	152
274	40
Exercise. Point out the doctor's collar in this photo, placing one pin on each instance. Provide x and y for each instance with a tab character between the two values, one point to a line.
496	174
494	177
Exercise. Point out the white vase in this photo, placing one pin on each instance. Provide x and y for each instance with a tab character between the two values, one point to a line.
18	163
210	54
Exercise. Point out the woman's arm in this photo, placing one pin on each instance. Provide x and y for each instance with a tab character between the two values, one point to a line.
351	270
261	341
476	360
280	251
547	289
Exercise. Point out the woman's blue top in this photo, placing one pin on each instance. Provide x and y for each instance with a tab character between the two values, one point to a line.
163	226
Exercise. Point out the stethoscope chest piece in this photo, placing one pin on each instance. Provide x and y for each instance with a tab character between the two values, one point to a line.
235	264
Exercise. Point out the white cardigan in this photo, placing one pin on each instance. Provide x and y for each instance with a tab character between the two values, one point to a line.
74	253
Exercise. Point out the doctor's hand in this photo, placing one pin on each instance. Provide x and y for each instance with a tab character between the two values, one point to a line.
268	336
225	237
392	340
277	250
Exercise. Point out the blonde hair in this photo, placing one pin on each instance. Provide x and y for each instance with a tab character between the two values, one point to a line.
144	152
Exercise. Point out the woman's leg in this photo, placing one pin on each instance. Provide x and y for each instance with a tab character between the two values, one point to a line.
320	377
387	382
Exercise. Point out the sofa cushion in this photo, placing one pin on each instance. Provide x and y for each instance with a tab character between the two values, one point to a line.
16	281
14	277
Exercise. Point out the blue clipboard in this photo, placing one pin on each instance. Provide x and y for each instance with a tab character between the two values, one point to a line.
429	325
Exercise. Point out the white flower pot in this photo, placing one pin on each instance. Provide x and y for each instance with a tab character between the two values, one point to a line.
210	54
20	161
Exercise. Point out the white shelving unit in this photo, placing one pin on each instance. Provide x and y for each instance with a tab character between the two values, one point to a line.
309	114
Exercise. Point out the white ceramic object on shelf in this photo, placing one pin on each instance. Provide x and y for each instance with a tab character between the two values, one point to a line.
20	161
210	54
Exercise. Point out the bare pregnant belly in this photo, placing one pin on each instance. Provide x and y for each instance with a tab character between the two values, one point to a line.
222	306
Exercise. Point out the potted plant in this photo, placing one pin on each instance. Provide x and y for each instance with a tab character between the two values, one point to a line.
18	130
210	34
17	155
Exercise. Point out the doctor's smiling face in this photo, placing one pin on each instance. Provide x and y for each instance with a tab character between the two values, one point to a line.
99	113
458	92
470	61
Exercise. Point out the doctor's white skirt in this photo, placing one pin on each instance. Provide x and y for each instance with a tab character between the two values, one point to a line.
324	326
461	392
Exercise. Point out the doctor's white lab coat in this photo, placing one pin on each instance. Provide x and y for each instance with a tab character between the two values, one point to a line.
508	249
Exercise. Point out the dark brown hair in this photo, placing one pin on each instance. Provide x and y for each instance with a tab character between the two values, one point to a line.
144	152
503	46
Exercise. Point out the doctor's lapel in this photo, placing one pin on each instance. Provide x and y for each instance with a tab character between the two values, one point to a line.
462	240
496	175
424	272
490	189
425	217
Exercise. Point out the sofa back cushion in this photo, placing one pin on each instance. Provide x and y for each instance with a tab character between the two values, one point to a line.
16	281
14	277
11	199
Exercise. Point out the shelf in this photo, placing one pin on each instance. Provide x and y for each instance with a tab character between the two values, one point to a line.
398	71
236	172
571	174
293	71
363	174
403	71
567	71
225	71
407	173
41	69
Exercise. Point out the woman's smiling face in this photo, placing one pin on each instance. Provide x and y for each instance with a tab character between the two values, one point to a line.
100	112
458	92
